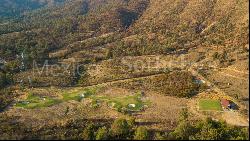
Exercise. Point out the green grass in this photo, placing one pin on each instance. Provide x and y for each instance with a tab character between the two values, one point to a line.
33	101
75	94
210	105
123	102
38	102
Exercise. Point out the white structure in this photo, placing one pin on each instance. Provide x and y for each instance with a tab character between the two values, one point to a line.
113	104
131	105
82	95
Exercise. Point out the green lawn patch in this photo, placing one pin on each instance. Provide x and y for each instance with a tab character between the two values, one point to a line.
78	95
33	102
210	105
123	103
126	102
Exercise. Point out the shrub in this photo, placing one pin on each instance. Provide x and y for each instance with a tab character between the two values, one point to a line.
182	131
141	133
120	129
131	121
6	98
208	130
88	133
159	136
2	80
102	134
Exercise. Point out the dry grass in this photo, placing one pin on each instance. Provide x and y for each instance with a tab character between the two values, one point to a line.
163	113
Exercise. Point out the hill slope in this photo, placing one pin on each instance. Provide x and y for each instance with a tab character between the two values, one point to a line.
64	63
12	8
96	30
183	24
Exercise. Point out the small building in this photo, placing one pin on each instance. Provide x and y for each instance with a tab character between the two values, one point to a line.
82	96
131	105
225	104
228	105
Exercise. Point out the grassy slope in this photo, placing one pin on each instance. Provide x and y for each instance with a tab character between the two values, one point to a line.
12	8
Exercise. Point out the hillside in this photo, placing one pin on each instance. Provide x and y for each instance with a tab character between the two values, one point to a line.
15	8
166	64
185	24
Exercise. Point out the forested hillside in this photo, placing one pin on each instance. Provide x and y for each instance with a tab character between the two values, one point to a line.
181	24
56	30
16	8
124	58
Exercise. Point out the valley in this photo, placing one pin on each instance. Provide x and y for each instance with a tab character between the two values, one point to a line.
177	69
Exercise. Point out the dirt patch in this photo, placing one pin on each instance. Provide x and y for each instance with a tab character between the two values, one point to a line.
163	112
50	92
60	114
114	92
235	118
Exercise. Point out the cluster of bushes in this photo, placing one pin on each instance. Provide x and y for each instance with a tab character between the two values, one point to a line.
176	83
207	129
2	80
9	9
39	74
120	129
6	98
76	129
92	42
124	129
47	76
223	57
5	79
